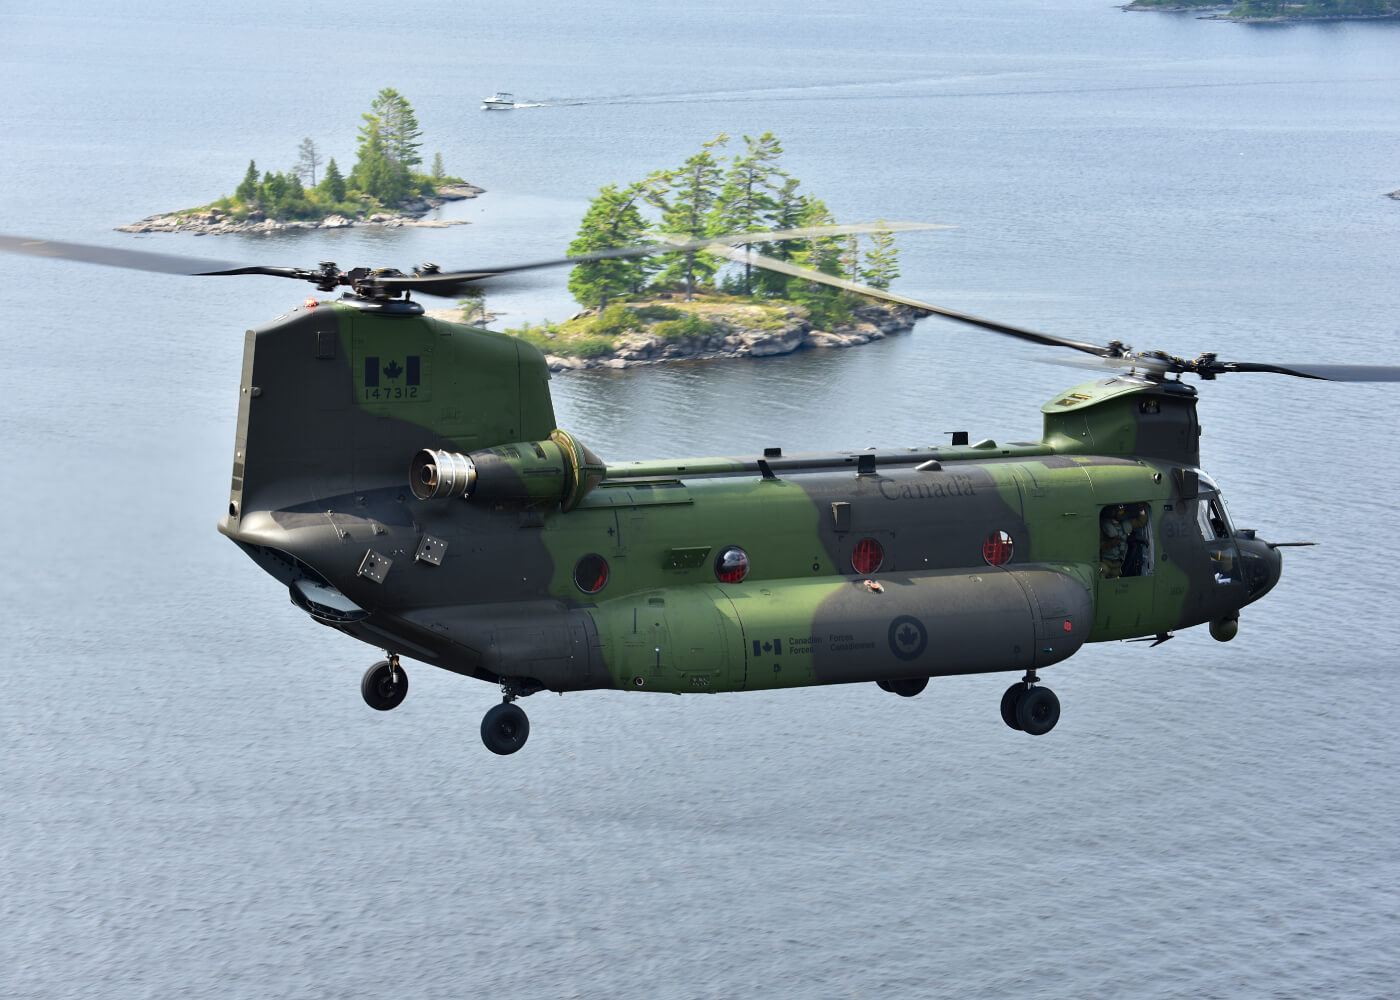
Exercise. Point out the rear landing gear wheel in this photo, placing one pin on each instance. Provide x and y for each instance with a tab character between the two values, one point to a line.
1009	701
1038	711
505	728
384	685
905	687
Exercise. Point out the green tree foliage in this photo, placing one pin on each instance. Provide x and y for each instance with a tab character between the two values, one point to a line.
274	187
332	186
613	220
438	171
686	200
1313	8
746	202
389	140
881	260
388	149
789	210
826	306
247	191
392	116
706	197
378	174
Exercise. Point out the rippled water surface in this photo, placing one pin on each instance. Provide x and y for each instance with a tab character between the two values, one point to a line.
197	802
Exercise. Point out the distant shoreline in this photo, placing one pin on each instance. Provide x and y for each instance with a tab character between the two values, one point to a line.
1280	19
214	221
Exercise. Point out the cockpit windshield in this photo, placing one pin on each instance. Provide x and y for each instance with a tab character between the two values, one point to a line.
1211	513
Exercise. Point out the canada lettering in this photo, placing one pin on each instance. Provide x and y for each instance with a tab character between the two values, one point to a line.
955	485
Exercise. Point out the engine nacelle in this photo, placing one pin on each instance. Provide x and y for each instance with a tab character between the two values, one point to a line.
529	473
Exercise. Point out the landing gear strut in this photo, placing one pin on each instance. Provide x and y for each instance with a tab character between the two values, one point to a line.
506	727
1032	709
384	684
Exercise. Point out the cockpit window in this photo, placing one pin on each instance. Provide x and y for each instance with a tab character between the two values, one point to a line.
1212	518
1125	540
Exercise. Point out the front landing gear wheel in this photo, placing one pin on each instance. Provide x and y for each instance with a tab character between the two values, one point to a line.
384	685
1038	711
505	728
1009	701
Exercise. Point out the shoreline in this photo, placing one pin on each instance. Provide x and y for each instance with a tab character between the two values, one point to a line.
1281	19
214	221
731	338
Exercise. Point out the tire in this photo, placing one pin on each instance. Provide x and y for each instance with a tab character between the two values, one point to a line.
1038	711
383	687
505	728
1009	701
905	687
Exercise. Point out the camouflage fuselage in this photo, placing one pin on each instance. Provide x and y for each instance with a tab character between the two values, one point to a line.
712	574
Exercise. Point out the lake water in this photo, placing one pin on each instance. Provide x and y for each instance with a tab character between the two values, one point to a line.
197	802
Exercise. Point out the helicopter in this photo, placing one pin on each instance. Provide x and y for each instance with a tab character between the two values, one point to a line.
404	477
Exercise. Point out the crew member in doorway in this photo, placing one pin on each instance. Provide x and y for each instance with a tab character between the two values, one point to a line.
1135	562
1123	540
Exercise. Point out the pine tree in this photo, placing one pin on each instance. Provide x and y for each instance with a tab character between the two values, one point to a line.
438	172
376	173
398	128
789	210
693	191
332	186
826	305
746	202
308	160
613	220
275	186
247	191
881	260
274	192
388	150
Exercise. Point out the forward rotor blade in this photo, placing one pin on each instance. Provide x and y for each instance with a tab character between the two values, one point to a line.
784	267
139	260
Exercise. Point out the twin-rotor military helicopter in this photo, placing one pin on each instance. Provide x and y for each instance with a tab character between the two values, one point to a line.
404	477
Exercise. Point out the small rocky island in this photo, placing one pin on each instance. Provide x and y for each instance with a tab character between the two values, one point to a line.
215	219
381	189
694	304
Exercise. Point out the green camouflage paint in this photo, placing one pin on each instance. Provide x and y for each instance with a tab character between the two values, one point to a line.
558	572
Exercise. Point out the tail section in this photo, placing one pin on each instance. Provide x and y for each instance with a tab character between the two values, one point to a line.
338	397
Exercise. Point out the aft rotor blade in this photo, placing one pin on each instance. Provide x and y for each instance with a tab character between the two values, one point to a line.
457	282
784	267
1329	373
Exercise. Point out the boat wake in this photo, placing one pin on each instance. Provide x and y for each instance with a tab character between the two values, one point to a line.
1013	83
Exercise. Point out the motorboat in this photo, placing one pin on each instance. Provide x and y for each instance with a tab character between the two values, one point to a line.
499	101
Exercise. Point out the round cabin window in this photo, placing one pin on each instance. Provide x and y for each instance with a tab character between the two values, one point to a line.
997	548
591	573
867	556
731	565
